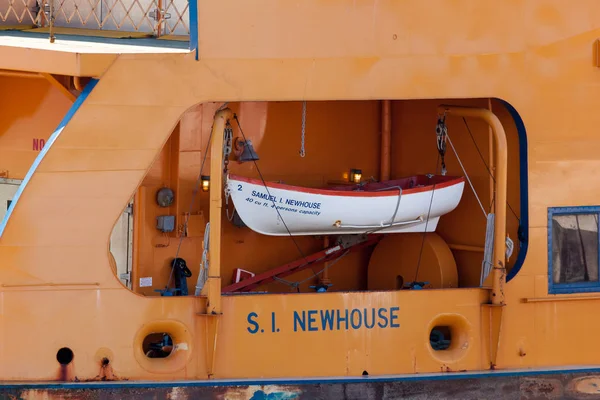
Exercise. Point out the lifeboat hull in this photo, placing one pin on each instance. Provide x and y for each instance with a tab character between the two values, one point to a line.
277	209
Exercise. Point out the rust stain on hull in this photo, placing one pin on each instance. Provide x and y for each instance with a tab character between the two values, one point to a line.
570	386
106	373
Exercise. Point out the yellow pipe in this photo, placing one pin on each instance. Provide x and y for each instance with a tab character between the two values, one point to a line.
464	247
552	299
52	284
491	158
386	139
77	83
20	74
212	288
499	269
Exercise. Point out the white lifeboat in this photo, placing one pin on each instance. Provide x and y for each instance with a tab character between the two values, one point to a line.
395	206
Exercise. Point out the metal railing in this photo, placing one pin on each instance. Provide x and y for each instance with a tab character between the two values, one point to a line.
152	17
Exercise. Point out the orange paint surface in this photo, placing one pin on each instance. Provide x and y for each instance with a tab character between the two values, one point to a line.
146	125
30	110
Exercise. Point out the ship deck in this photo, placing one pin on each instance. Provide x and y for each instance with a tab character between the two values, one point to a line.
75	55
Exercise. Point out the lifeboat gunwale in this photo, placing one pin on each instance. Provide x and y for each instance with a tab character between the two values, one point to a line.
443	181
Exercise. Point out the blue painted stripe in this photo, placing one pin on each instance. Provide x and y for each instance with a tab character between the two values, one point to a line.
193	10
86	91
304	381
524	191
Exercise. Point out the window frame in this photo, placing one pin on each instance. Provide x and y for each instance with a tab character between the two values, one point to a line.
576	287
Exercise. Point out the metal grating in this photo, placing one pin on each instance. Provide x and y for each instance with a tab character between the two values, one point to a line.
154	17
20	12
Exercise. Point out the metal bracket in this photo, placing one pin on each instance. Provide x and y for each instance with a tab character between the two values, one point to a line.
350	240
159	14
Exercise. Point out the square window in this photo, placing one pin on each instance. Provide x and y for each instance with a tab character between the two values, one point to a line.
573	249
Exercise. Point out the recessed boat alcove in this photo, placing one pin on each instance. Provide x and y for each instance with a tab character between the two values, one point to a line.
287	160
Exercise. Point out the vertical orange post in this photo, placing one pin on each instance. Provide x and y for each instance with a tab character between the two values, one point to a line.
491	158
212	288
499	258
51	17
159	19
